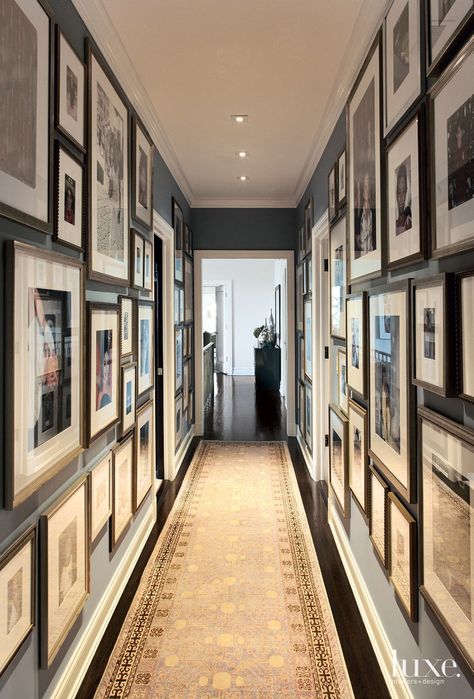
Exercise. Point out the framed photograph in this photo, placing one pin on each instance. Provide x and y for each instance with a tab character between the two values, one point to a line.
301	244
144	470
301	359
177	290
337	255
332	202
378	491
102	368
391	397
128	397
44	367
122	486
178	227
365	257
452	138
100	495
402	59
301	411
188	240
308	224
342	391
18	594
138	251
308	349
446	456
26	37
181	305
278	314
108	205
69	196
188	290
466	339
447	18
179	418
403	555
70	92
146	347
434	358
142	175
65	551
126	326
341	180
358	456
185	384
308	275
191	408
147	265
299	297
308	411
178	383
356	338
338	458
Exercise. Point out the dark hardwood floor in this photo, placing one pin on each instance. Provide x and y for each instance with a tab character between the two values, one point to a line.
239	414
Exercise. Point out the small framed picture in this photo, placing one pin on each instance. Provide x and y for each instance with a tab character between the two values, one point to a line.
308	411
181	305
338	458
358	457
342	391
185	382
308	349
188	240
434	361
341	180
465	281
356	334
100	495
301	411
178	335
128	397
70	92
308	224
178	404
402	555
69	195
18	594
178	227
138	249
332	204
122	485
126	326
147	265
301	244
144	472
299	297
142	175
337	237
146	354
65	551
447	19
378	491
188	290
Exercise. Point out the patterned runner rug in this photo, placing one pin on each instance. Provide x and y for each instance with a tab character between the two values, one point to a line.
232	603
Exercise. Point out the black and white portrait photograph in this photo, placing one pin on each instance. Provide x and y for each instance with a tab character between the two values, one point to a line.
401	48
429	341
356	320
460	133
69	199
435	366
70	98
403	196
387	379
355	342
104	368
446	19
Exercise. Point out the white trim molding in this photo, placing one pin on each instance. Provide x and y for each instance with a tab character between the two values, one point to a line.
214	203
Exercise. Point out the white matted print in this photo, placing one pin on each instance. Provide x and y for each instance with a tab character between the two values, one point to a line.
122	502
341	179
357	449
402	554
145	346
147	266
128	402
467	339
126	326
103	370
342	390
144	454
356	309
378	514
71	92
143	171
138	251
338	278
69	214
445	18
430	318
338	458
100	495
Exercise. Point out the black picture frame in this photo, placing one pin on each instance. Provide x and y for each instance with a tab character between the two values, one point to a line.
58	149
138	126
464	356
461	28
60	127
332	193
341	178
381	556
178	227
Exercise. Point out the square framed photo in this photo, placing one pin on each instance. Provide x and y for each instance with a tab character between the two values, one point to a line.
179	419
18	594
391	396
342	390
465	291
122	489
337	254
308	224
178	382
341	180
148	265
308	340
26	86
452	137
338	458
103	350
178	227
308	411
128	395
144	467
188	290
447	19
108	205
332	201
138	251
402	59
365	256
100	495
446	452
356	338
146	346
357	452
44	367
65	551
378	491
403	555
70	92
142	174
126	305
69	197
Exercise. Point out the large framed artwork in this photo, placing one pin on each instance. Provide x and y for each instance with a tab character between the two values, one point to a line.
338	458
178	227
446	453
26	38
142	175
308	340
402	555
146	345
69	197
378	491
100	495
65	551
70	92
178	382
44	367
108	250
122	489
402	59
18	594
356	334
103	368
357	452
342	390
188	290
128	392
332	202
143	474
338	278
126	326
466	328
365	258
148	266
452	139
447	18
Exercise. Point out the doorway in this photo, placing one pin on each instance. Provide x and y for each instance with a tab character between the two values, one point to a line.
159	391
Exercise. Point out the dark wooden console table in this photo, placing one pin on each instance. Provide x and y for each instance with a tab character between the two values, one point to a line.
267	368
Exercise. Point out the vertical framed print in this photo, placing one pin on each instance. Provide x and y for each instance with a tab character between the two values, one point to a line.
446	454
148	265
356	334
44	367
108	248
332	202
337	236
128	393
357	453
452	138
465	290
402	59
338	458
122	489
378	491
365	257
65	551
142	175
308	224
178	227
146	346
26	37
301	358
308	340
144	471
341	180
301	412
185	382
446	21
178	424
126	305
391	397
178	383
342	391
69	197
188	290
402	555
70	92
299	298
138	250
308	411
100	495
18	594
301	244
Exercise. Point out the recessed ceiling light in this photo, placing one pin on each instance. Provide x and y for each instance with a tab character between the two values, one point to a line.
239	118
243	178
243	154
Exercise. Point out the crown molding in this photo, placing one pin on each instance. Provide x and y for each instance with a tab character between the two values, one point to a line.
203	203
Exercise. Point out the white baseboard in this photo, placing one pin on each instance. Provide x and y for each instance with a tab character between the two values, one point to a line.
243	371
183	450
396	685
74	672
291	429
306	453
199	429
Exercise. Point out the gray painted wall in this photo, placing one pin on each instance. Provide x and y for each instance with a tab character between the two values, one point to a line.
243	229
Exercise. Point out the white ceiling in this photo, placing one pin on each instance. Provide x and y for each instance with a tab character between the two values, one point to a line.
285	63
